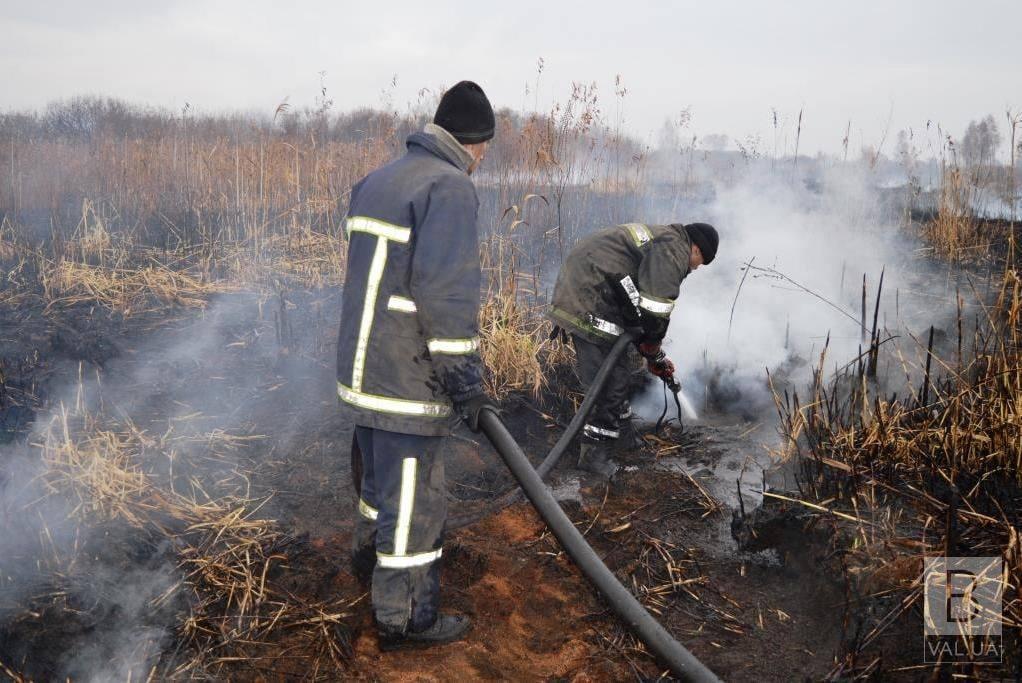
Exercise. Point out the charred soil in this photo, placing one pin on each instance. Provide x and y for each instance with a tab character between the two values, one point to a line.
260	371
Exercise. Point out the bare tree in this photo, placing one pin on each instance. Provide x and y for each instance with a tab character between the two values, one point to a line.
979	144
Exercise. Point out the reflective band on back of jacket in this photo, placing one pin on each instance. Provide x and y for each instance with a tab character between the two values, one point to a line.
397	406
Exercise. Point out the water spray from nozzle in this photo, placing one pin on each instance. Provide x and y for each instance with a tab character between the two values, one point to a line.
686	406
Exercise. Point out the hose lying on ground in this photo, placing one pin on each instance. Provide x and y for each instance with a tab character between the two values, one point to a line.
513	495
668	650
680	661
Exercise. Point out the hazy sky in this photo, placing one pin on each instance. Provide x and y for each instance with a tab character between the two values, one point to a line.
867	61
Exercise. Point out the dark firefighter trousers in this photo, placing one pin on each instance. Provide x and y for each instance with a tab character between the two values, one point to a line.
605	420
402	510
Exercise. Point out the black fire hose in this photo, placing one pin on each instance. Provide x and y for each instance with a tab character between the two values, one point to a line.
592	394
669	651
512	495
675	386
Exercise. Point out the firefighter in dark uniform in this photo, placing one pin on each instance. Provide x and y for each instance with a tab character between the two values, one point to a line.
408	362
625	276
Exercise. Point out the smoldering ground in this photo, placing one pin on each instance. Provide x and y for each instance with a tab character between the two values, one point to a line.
90	589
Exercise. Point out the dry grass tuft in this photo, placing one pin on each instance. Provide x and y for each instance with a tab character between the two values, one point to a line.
955	232
513	333
128	291
935	473
96	471
131	281
511	348
305	259
8	241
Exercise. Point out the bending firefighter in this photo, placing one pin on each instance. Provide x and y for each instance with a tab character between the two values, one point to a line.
408	361
625	276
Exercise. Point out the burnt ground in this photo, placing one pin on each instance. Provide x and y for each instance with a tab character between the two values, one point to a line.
261	368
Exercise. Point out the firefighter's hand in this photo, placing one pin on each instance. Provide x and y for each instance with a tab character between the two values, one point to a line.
471	408
656	361
662	367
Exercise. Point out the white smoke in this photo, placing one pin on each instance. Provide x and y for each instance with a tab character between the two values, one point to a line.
809	249
206	373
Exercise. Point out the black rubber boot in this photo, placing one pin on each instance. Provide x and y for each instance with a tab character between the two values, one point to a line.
631	436
363	561
595	457
446	629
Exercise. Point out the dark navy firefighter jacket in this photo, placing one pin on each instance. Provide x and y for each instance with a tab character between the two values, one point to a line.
409	338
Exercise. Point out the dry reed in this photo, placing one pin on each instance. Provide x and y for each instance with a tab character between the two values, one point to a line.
938	472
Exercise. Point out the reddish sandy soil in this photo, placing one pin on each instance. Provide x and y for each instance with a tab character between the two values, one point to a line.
536	618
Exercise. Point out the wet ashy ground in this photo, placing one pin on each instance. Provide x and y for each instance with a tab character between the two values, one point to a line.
767	615
261	369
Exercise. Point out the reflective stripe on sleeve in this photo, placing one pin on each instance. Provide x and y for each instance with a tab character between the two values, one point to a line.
397	406
589	323
367	510
400	303
640	233
595	431
405	506
655	306
379	228
453	346
406	561
606	326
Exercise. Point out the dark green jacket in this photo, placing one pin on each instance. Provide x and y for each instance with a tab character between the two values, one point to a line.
409	343
589	299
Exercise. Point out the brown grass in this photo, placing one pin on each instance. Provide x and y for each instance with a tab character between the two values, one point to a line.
955	233
226	551
303	259
514	335
125	290
131	280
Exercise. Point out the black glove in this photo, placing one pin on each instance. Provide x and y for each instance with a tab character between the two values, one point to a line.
558	331
472	407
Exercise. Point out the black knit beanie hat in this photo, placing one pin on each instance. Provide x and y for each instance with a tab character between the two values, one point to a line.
704	236
465	113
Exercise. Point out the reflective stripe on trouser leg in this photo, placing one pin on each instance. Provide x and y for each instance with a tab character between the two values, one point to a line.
600	433
405	506
412	510
367	510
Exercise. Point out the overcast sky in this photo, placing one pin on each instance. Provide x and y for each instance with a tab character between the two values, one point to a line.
864	61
